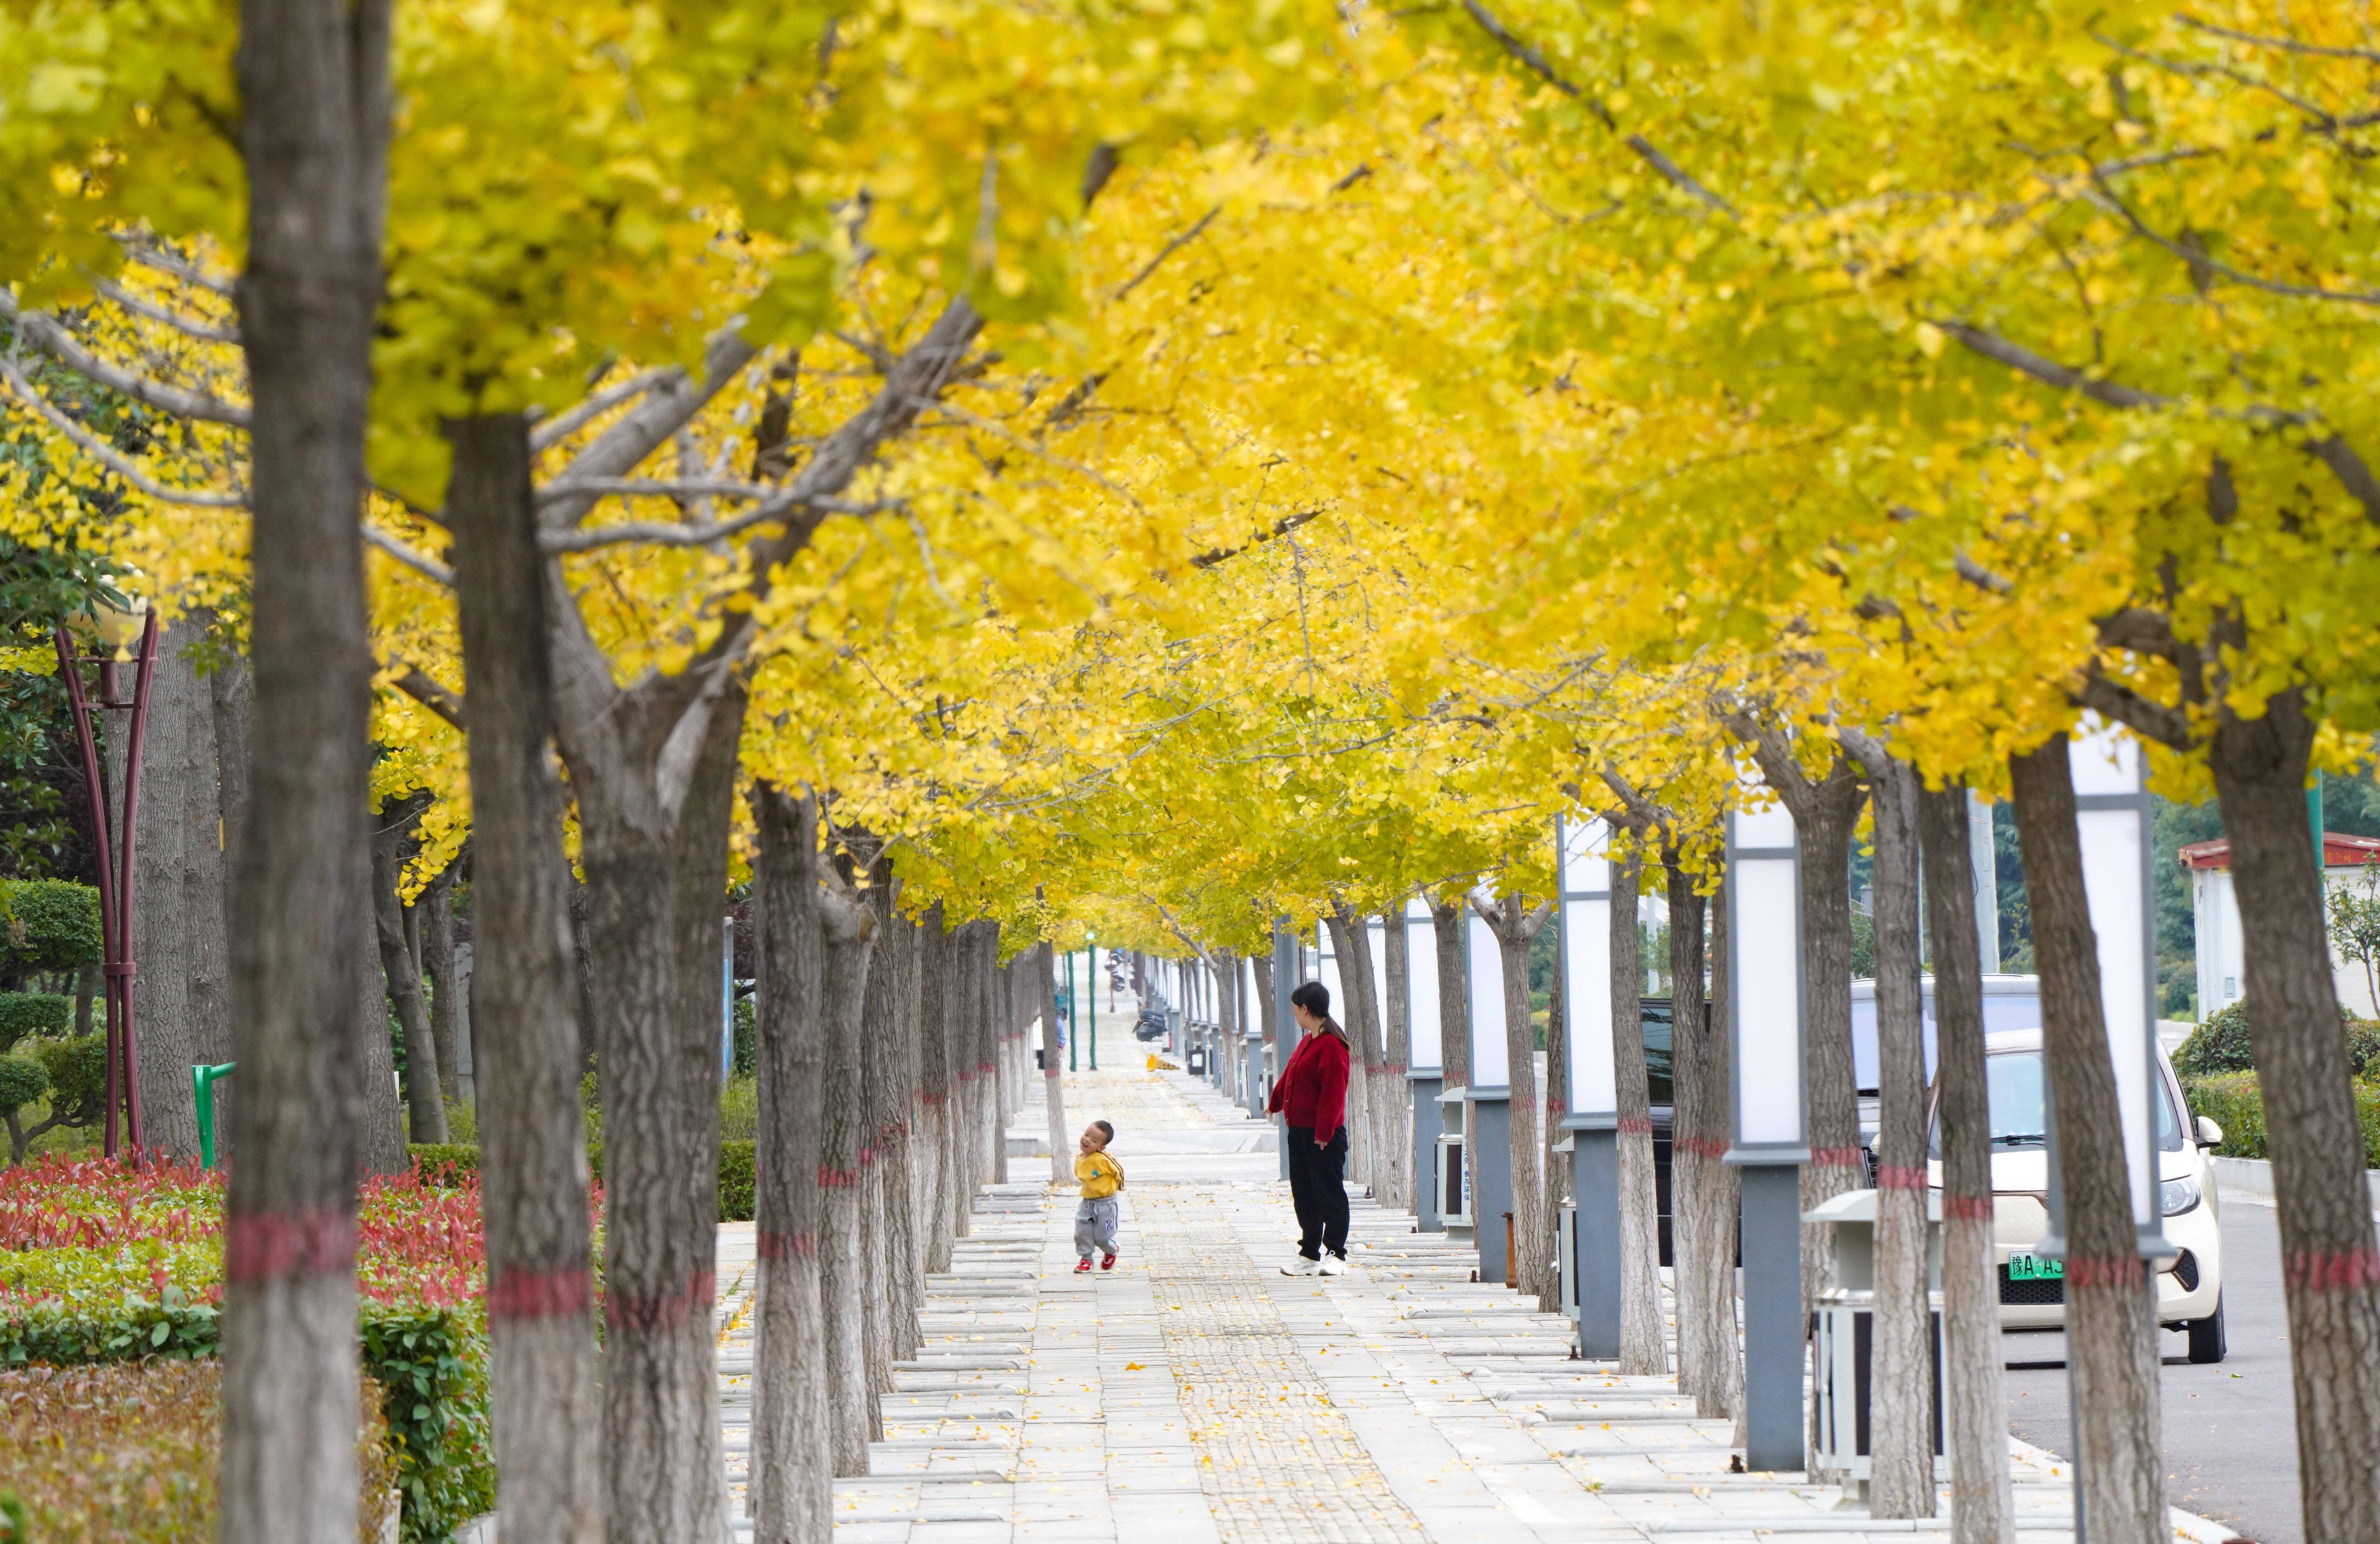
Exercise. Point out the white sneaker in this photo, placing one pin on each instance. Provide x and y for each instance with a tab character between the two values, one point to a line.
1300	1266
1334	1265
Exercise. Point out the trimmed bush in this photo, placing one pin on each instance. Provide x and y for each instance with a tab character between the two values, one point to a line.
2220	1045
47	925
28	1014
445	1164
2233	1101
432	1370
451	1162
129	1453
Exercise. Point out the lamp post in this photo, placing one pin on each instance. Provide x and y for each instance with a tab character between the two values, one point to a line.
133	627
1585	982
1770	1136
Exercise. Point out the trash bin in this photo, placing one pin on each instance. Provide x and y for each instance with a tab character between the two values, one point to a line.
1842	1350
1197	1060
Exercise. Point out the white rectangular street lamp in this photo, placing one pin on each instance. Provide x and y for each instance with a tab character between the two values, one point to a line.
1583	925
1424	1057
1769	1129
1487	1127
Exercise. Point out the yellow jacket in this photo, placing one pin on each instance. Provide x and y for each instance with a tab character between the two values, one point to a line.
1102	1176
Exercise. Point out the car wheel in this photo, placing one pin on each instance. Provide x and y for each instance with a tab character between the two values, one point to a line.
2206	1343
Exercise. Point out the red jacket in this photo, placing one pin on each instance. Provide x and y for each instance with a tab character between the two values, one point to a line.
1312	1091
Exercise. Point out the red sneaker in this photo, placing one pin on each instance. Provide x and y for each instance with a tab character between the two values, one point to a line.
1107	1262
1084	1264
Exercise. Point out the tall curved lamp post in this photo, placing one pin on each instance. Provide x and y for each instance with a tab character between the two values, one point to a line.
116	631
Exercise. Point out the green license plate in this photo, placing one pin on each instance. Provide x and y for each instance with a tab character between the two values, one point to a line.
2033	1268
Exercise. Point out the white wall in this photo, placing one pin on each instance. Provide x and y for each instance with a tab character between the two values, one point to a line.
2222	958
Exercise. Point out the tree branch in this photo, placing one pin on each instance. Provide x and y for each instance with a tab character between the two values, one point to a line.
1170	248
1281	527
2287	45
669	402
189	325
106	455
49	334
427	691
548	432
142	252
419	561
666	533
2112	699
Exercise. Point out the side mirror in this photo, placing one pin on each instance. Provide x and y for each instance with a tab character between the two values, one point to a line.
2209	1134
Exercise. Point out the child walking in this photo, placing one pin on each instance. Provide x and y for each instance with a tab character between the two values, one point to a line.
1102	1176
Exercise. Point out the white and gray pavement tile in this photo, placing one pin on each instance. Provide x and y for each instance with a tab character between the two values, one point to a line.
1194	1395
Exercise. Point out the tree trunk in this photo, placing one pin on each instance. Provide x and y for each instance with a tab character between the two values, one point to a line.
1826	813
1396	949
963	978
383	1127
1556	1104
313	135
1355	983
877	1033
1643	1351
233	686
533	1159
908	1179
434	914
2110	1336
655	853
1515	923
422	1097
1700	1185
1900	1484
183	989
792	1466
1269	1031
2329	1267
1983	1507
1453	1009
1053	1060
849	929
935	952
999	1026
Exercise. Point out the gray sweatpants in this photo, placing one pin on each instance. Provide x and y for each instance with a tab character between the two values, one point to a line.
1095	1223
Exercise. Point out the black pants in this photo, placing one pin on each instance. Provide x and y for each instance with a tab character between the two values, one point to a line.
1318	1187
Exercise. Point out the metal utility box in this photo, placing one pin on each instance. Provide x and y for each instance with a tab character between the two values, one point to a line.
1198	1059
1566	1258
1454	1167
1842	1351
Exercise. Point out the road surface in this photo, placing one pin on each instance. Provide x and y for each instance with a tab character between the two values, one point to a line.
2230	1442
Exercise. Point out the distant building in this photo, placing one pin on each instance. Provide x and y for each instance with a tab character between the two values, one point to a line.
2222	977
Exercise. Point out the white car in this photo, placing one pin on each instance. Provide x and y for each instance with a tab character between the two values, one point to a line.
2033	1295
2032	1291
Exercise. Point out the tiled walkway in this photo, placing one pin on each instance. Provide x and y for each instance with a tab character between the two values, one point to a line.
1194	1395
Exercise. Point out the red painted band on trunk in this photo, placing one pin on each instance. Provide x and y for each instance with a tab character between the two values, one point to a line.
1967	1208
2118	1271
1051	1072
2316	1271
624	1311
867	1158
1393	1067
1635	1125
892	1131
982	1067
1897	1176
1834	1158
837	1179
520	1293
1700	1146
788	1246
267	1247
935	1098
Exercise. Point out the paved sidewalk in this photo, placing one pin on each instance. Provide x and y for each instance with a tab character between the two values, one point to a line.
1194	1395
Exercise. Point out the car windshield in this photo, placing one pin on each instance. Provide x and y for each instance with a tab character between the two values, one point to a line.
2020	1103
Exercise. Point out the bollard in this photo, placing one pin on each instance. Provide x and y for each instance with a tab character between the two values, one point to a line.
203	1095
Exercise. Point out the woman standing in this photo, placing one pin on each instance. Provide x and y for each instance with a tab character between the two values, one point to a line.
1311	1097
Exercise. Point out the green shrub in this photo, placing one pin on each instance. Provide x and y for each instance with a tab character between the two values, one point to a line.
22	1082
427	1363
130	1453
24	1014
736	1174
431	1369
446	1163
739	1109
47	925
451	1162
2221	1045
2233	1101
